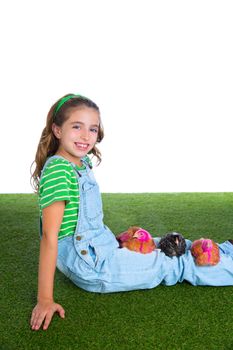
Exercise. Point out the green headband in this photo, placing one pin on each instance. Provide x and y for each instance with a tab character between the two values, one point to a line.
64	100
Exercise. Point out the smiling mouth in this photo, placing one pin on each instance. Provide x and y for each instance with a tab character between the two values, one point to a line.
82	146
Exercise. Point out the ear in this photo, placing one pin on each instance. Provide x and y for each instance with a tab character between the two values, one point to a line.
56	130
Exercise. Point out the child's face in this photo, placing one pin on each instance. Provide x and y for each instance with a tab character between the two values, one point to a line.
78	134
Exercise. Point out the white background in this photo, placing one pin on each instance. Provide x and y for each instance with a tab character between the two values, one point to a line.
160	71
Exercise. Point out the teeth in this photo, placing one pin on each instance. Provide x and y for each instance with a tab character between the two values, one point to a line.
81	145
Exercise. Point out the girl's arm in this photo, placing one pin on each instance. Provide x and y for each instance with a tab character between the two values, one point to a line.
46	307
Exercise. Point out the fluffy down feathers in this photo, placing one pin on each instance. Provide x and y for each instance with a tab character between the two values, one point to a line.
205	252
137	240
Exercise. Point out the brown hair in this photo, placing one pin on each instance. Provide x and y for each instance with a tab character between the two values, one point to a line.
49	144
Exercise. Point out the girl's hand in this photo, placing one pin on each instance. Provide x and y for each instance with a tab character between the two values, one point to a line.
43	312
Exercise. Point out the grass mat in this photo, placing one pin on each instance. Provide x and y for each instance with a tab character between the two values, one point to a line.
177	317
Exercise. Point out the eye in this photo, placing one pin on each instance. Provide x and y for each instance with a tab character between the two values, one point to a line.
76	126
94	130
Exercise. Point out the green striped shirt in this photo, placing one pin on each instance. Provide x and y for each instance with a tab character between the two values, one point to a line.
59	183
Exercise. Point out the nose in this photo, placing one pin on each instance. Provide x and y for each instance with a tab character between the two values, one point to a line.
85	135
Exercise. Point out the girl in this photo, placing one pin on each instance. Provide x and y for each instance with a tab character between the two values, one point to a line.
73	235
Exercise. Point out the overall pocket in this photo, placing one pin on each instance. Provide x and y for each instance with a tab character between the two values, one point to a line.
104	244
92	202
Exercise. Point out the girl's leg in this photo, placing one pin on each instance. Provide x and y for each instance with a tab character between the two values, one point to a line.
218	275
227	247
122	270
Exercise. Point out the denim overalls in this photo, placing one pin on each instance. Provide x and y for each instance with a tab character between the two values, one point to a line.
218	275
92	259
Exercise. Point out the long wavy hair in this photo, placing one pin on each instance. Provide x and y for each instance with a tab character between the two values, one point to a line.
48	144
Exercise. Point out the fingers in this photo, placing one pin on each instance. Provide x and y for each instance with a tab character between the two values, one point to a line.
61	311
40	315
32	317
58	308
48	319
36	320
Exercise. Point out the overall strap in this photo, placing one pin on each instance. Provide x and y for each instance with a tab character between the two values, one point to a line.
48	160
79	172
85	162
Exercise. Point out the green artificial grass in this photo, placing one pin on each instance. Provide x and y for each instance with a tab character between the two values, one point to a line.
176	317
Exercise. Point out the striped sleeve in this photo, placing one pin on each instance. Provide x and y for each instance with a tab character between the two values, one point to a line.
55	183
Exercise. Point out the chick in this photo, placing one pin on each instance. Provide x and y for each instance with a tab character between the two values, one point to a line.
172	244
205	252
136	239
